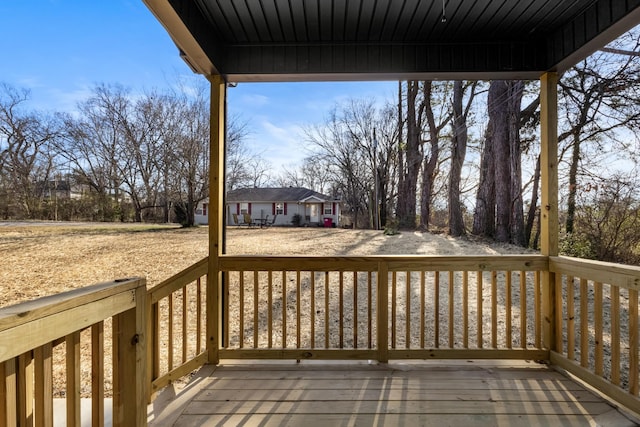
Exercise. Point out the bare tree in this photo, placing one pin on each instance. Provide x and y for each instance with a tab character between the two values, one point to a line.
458	152
599	97
432	97
498	212
26	154
412	155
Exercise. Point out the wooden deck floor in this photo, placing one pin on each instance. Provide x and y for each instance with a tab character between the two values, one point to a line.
397	394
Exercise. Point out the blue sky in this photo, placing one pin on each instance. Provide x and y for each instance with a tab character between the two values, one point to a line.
59	49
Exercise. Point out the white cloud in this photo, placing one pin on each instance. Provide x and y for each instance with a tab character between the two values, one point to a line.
254	100
280	145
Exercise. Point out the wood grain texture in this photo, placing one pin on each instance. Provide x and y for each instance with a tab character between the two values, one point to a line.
470	394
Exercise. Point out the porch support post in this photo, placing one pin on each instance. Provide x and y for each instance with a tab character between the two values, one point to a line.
216	211
549	201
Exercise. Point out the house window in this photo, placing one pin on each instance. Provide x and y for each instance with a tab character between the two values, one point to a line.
279	208
244	208
328	209
204	209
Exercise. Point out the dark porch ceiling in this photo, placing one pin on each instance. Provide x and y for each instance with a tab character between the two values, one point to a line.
291	40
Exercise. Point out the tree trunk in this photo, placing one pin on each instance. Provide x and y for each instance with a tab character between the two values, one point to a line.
515	91
484	213
407	193
573	184
498	108
500	184
533	207
430	162
458	153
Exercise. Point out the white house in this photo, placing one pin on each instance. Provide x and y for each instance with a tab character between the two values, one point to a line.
282	203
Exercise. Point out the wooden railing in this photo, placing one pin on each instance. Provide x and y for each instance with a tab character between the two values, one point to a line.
377	307
177	326
40	355
382	307
597	325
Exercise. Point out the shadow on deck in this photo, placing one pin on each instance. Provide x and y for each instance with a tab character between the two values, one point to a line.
426	393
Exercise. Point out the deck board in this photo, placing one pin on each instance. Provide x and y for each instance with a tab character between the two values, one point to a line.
395	394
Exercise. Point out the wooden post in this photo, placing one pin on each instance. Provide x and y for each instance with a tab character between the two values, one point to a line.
216	213
130	363
549	200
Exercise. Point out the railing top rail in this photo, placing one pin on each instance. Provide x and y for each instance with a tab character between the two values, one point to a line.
28	311
179	280
626	276
29	325
394	263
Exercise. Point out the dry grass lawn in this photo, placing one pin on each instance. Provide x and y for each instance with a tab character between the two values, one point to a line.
44	259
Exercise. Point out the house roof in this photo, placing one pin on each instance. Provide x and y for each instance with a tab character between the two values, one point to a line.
279	194
284	40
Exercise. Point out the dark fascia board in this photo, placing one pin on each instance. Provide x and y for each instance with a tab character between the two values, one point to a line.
598	25
524	60
189	47
475	60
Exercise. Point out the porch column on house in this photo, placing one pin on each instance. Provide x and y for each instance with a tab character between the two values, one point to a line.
216	213
549	203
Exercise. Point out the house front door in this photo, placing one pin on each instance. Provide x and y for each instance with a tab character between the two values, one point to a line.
314	213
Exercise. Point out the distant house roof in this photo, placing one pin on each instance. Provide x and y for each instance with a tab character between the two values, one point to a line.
280	194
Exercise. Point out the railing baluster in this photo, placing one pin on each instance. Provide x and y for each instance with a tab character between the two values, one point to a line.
523	309
465	309
226	312
599	345
298	298
451	325
241	311
72	342
370	309
43	359
312	307
584	324
198	316
256	299
479	293
355	309
407	309
185	311
155	345
9	383
25	387
382	327
537	298
634	338
571	314
494	309
559	310
423	308
508	331
436	308
393	309
97	374
170	332
341	309
284	309
615	334
326	309
270	309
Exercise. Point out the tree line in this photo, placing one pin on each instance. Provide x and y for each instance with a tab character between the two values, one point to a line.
461	157
464	157
121	156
